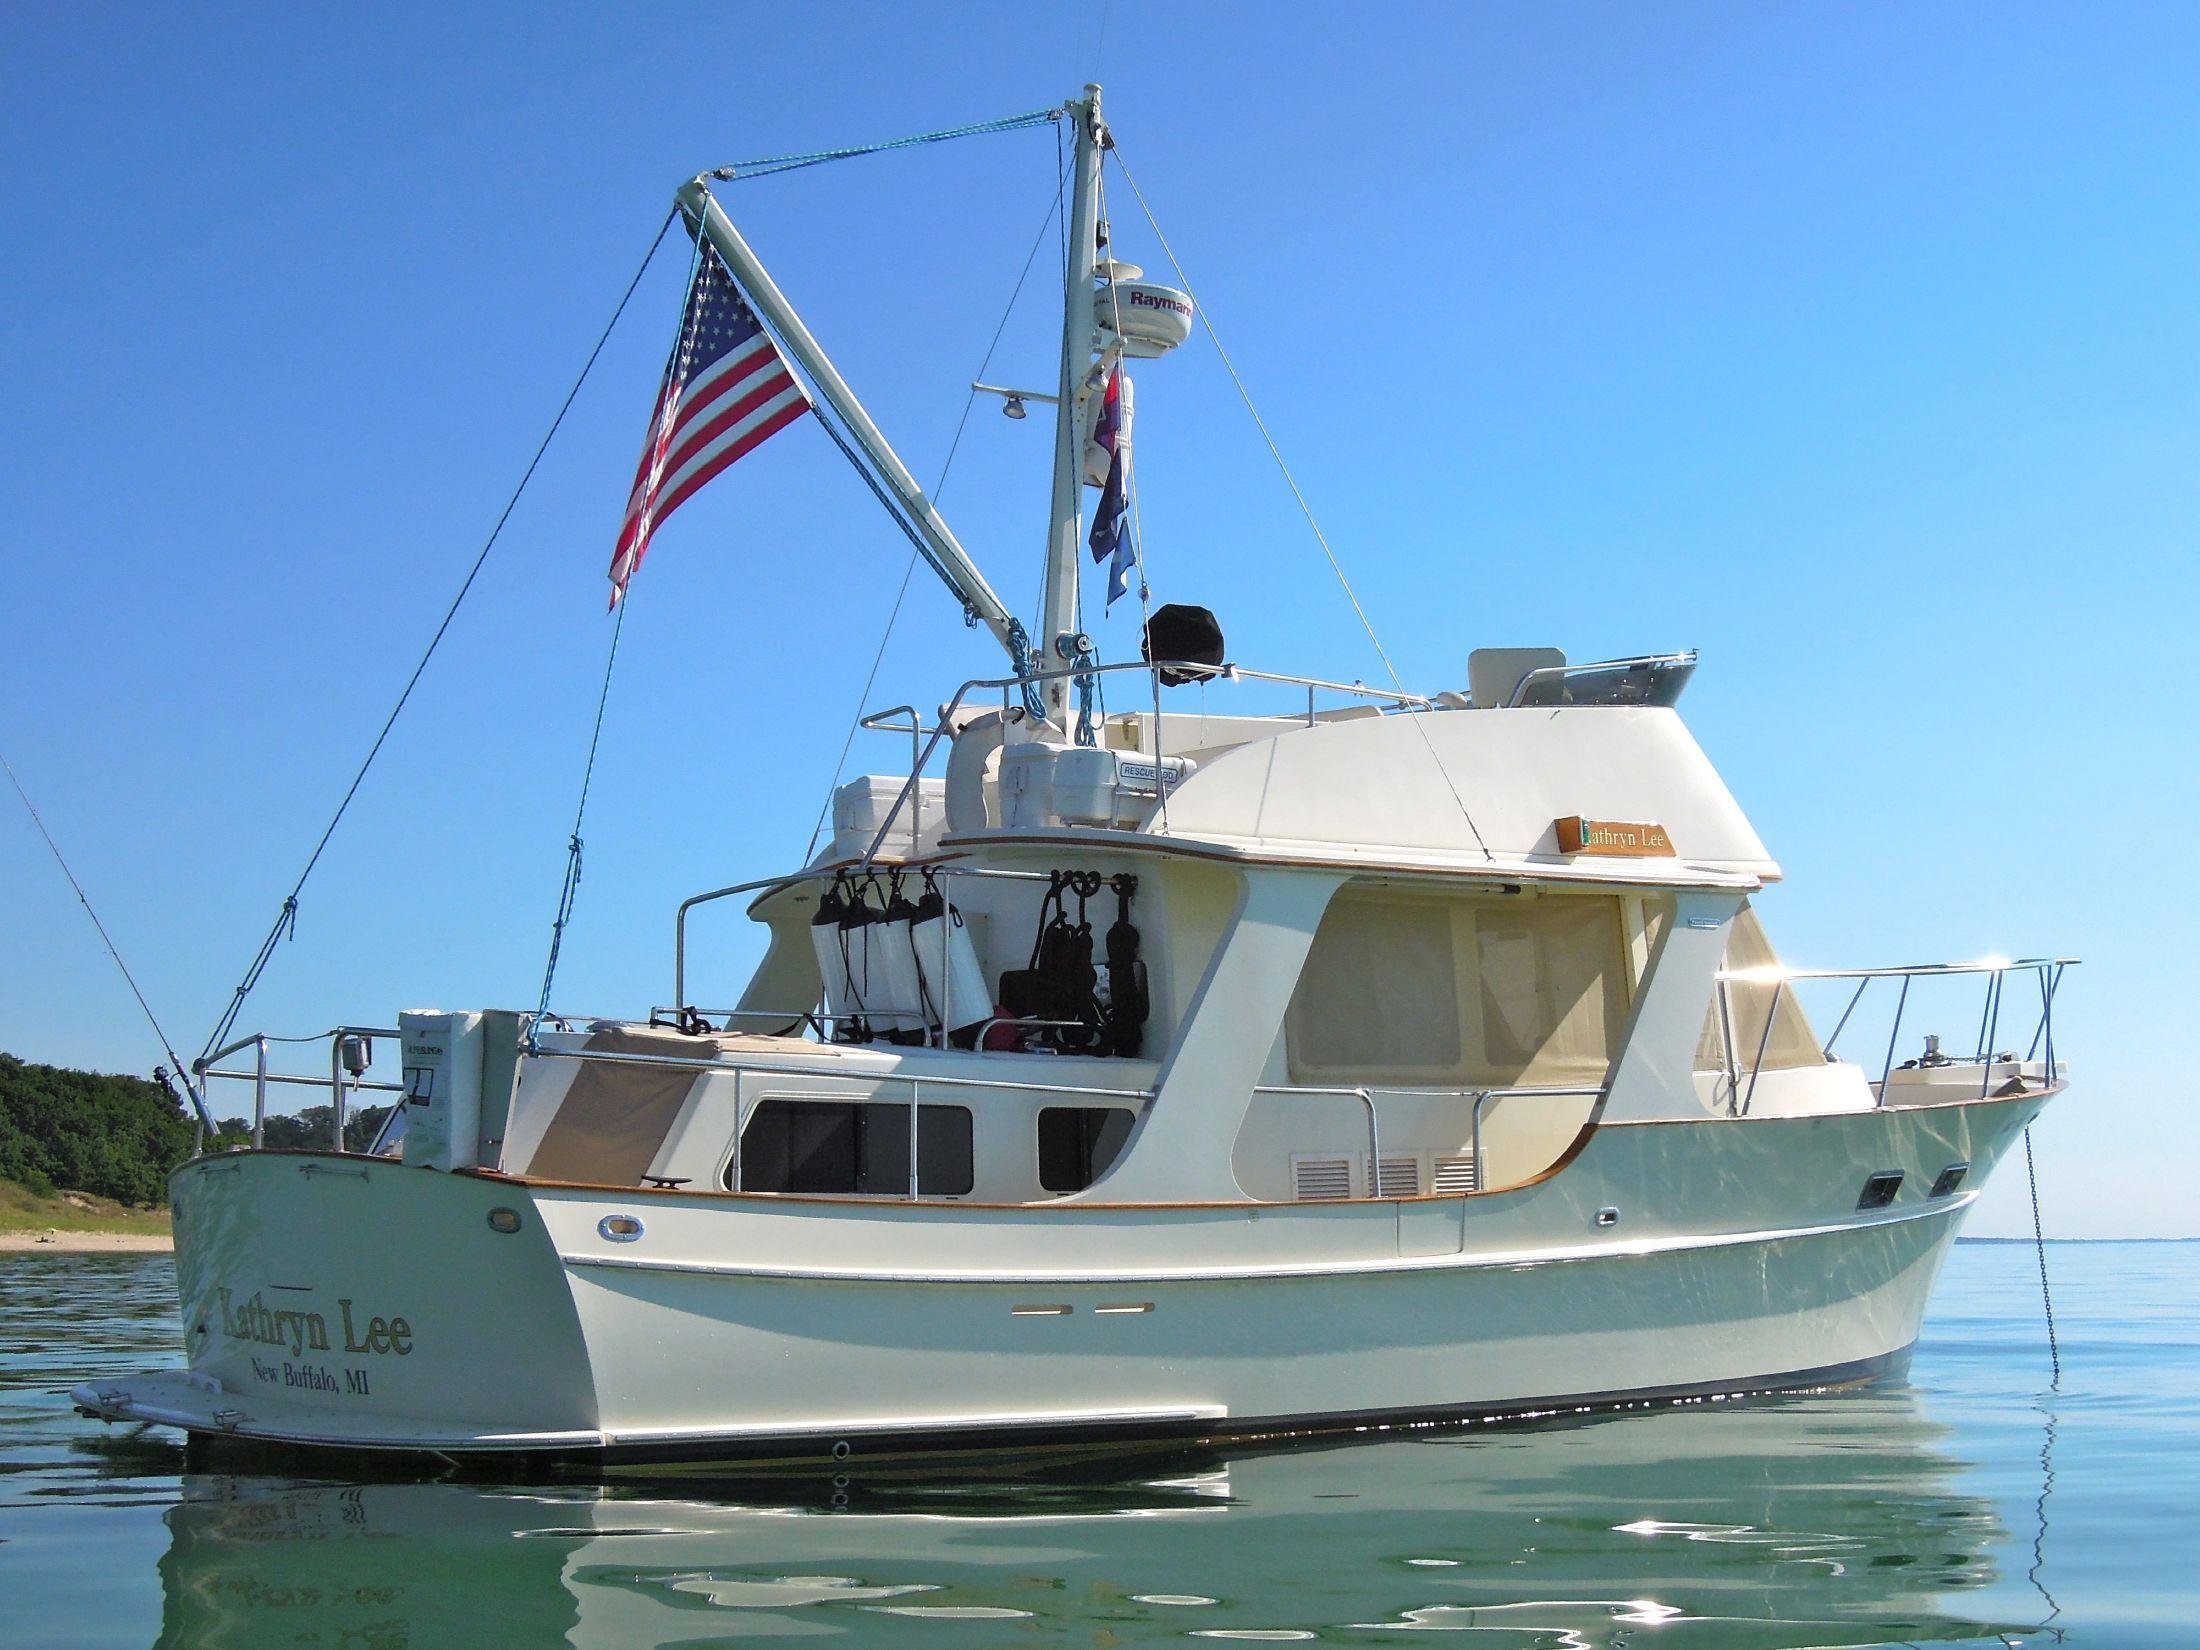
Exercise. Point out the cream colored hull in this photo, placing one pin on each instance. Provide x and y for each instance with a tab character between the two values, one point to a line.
330	1301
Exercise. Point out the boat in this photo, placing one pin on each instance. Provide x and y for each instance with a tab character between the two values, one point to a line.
1358	1057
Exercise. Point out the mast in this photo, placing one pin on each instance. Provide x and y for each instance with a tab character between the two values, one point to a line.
1056	642
947	554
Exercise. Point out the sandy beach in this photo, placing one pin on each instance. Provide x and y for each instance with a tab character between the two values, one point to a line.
86	1243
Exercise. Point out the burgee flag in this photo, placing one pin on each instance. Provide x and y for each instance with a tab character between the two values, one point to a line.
1110	538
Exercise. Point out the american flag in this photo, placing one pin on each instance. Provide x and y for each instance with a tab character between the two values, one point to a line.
725	390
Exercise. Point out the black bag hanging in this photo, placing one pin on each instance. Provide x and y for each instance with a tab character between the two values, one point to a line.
1024	992
1065	962
1128	1003
1061	984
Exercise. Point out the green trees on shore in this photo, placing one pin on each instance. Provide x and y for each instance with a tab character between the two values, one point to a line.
117	1136
89	1131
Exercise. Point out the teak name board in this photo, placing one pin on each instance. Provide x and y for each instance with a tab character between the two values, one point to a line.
1613	836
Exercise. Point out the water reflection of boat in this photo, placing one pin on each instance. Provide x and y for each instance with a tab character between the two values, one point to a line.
1801	1521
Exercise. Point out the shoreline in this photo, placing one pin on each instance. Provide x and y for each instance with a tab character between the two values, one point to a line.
86	1243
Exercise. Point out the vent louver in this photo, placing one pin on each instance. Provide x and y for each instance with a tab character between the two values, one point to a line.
1316	1179
1455	1176
1399	1177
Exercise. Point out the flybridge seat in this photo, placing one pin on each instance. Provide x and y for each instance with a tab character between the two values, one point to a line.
864	804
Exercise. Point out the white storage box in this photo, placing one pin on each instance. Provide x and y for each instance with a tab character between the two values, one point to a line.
862	805
1027	785
1109	787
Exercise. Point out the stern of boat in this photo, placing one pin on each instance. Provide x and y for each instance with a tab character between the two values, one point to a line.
339	1299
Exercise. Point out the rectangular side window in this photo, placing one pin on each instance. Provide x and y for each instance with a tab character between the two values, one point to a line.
1079	1144
825	1147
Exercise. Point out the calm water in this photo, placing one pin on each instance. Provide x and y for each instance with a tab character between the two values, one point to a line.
1968	1503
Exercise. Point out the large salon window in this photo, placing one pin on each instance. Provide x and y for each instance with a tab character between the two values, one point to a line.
827	1146
1400	988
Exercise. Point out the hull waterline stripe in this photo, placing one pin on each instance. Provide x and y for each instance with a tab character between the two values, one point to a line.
1503	1260
984	1432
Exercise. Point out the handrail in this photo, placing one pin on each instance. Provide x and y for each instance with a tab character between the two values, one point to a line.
207	1066
1225	672
1996	971
1561	672
774	1068
1374	1134
738	1069
1481	1097
807	874
1768	973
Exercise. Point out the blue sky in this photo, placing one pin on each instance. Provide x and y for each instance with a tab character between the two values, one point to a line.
1854	345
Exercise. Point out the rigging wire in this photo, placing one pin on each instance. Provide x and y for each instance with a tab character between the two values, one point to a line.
1305	509
772	165
954	445
677	368
286	920
571	889
175	1060
1261	424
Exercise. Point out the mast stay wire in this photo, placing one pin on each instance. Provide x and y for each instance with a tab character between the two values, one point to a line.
774	164
286	920
1206	321
954	445
175	1060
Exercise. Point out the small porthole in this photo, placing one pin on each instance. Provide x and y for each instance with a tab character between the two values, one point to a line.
1880	1189
1950	1178
504	1220
619	1228
1607	1216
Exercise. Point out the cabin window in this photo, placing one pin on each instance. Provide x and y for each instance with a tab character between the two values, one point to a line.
1079	1144
829	1146
1408	989
1792	1042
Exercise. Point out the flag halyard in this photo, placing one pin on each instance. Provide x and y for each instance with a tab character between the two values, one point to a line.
725	391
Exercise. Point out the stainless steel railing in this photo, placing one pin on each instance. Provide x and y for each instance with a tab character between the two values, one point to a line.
2048	971
773	884
922	755
347	1045
859	1093
1481	1098
1651	663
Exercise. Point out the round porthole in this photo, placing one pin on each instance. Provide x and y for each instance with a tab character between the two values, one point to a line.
619	1228
504	1220
1607	1216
